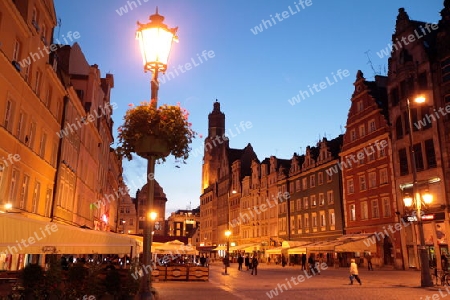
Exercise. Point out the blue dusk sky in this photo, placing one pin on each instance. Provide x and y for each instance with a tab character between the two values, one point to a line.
283	69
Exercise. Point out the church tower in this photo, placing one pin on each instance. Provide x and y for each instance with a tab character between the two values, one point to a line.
214	143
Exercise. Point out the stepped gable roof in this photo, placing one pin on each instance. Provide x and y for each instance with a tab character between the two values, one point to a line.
246	156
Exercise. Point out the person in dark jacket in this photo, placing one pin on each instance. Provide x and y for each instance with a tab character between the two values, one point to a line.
247	261
254	265
303	261
240	261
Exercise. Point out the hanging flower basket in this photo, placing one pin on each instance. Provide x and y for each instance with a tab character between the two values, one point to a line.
159	132
151	145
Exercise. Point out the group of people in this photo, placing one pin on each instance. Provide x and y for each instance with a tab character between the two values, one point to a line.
250	263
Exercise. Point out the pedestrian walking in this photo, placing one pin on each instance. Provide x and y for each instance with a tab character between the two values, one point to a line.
240	261
369	262
303	261
207	261
254	265
202	260
354	272
247	261
283	261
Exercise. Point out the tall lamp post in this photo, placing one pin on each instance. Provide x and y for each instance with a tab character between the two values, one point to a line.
227	254
155	40
425	276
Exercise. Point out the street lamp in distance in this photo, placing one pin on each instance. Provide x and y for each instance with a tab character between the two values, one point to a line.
416	200
227	254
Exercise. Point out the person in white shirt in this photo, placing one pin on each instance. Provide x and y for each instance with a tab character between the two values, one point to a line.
354	272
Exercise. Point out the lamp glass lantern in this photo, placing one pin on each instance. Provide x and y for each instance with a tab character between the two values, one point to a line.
155	41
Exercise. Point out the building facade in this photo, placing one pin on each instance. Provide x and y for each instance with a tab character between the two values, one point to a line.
411	74
370	203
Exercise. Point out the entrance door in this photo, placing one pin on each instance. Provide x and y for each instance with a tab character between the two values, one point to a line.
387	251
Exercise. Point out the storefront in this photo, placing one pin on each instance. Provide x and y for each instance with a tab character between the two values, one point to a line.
26	240
436	240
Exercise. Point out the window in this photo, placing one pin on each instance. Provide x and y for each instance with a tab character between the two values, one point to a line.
330	197
352	210
329	177
360	157
37	83
297	185
419	157
360	106
7	123
20	125
306	218
16	51
429	154
292	224
375	209
27	76
403	162
48	202
292	206
350	186
364	210
42	145
299	222
399	128
36	195
313	201
314	220
382	152
31	135
13	186
332	217
352	135
372	180
304	183
305	202
383	176
395	96
131	222
24	191
386	207
372	126
312	180
323	220
362	130
321	199
320	178
362	183
299	204
48	98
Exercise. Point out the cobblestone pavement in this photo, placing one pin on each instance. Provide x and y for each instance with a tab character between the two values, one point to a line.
330	284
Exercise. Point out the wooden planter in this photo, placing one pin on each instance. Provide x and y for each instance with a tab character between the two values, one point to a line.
150	145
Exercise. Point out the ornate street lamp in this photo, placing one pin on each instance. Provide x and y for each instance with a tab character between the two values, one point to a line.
425	276
155	39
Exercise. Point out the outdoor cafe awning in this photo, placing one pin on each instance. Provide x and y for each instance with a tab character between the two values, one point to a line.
297	250
22	235
357	244
277	250
246	247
